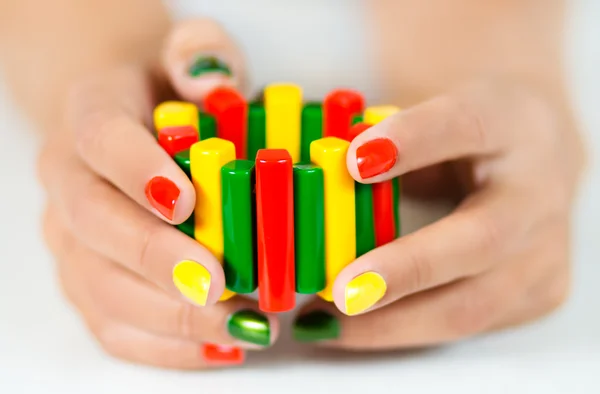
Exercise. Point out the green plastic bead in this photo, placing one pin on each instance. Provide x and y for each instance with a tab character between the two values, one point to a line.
257	126
207	125
183	161
239	218
396	183
365	220
309	231
312	128
357	119
187	227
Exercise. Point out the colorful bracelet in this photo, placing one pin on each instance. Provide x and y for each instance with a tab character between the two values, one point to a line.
291	218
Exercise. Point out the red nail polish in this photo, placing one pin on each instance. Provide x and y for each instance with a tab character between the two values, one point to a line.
222	355
376	157
162	194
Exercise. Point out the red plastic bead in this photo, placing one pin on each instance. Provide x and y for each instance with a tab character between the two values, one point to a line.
275	230
175	139
356	130
383	210
338	109
222	355
230	110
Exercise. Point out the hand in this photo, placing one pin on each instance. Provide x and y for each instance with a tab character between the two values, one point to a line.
112	234
501	258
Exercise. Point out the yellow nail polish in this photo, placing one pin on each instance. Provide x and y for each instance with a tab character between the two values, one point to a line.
363	292
192	280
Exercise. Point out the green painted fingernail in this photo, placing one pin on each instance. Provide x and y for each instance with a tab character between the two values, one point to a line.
207	64
250	326
316	326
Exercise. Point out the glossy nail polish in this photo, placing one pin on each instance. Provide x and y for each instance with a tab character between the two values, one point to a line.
363	292
207	64
222	355
162	194
316	326
250	326
375	157
192	280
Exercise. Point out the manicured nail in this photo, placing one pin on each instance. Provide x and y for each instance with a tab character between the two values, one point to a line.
316	326
250	326
222	355
207	64
192	280
162	194
375	157
363	292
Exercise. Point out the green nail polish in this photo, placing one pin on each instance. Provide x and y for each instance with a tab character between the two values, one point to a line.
316	326
250	326
207	64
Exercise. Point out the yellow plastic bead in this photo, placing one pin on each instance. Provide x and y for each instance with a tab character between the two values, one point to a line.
175	113
340	227
374	115
283	107
206	159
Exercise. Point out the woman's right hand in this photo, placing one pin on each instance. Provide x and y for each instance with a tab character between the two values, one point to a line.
113	198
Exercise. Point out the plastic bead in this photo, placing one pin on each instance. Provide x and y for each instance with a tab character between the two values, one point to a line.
237	179
312	128
397	220
275	228
338	109
357	119
206	158
256	129
183	161
187	227
365	220
283	105
374	115
309	228
383	210
207	125
174	139
175	113
230	110
340	218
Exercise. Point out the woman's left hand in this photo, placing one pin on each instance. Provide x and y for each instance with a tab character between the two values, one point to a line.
501	258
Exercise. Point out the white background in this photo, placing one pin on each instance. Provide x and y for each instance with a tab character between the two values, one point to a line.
45	349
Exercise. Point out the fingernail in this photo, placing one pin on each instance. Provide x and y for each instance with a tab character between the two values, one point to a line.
363	292
250	326
316	326
222	355
192	280
375	157
162	194
207	64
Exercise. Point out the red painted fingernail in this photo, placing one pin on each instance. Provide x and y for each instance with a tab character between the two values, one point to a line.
222	355
162	194
375	157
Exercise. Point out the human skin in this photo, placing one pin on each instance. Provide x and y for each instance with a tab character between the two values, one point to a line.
481	75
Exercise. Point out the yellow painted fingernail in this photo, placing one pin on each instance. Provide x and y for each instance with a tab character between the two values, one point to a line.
192	280
363	292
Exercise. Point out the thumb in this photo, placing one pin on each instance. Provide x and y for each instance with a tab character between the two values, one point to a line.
199	56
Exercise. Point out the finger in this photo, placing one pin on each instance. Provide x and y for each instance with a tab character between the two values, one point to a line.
485	230
441	315
119	229
199	56
480	121
107	119
122	297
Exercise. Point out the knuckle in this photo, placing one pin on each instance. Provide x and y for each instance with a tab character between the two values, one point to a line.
95	129
420	271
83	208
149	234
186	326
471	314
